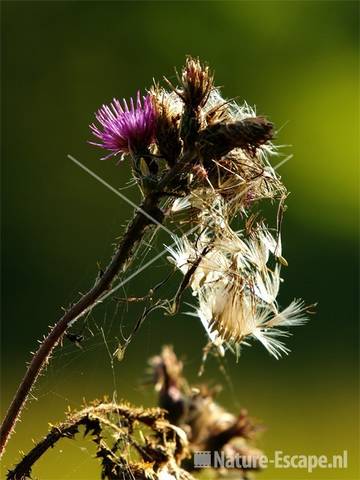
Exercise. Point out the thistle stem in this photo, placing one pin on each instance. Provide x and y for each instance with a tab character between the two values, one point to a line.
132	236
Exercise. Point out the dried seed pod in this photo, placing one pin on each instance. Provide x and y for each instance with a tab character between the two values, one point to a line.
249	134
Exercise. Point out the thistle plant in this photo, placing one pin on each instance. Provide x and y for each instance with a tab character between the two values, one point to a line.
202	162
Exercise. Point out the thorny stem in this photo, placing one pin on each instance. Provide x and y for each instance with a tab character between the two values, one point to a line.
132	237
92	418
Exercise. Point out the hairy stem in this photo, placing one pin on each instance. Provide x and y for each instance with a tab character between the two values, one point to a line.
133	235
131	238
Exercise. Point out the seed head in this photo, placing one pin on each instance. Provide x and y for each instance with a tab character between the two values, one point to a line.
235	288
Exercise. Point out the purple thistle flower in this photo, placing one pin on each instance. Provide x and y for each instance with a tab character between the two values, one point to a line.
124	129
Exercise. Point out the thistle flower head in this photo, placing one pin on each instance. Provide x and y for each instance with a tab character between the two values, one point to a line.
122	129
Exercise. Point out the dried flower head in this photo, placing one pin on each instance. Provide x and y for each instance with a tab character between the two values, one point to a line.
123	129
196	83
169	109
249	134
207	424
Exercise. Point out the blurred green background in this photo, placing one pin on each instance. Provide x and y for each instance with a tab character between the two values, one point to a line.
298	62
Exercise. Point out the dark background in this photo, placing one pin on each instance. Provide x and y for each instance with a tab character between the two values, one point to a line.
298	62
